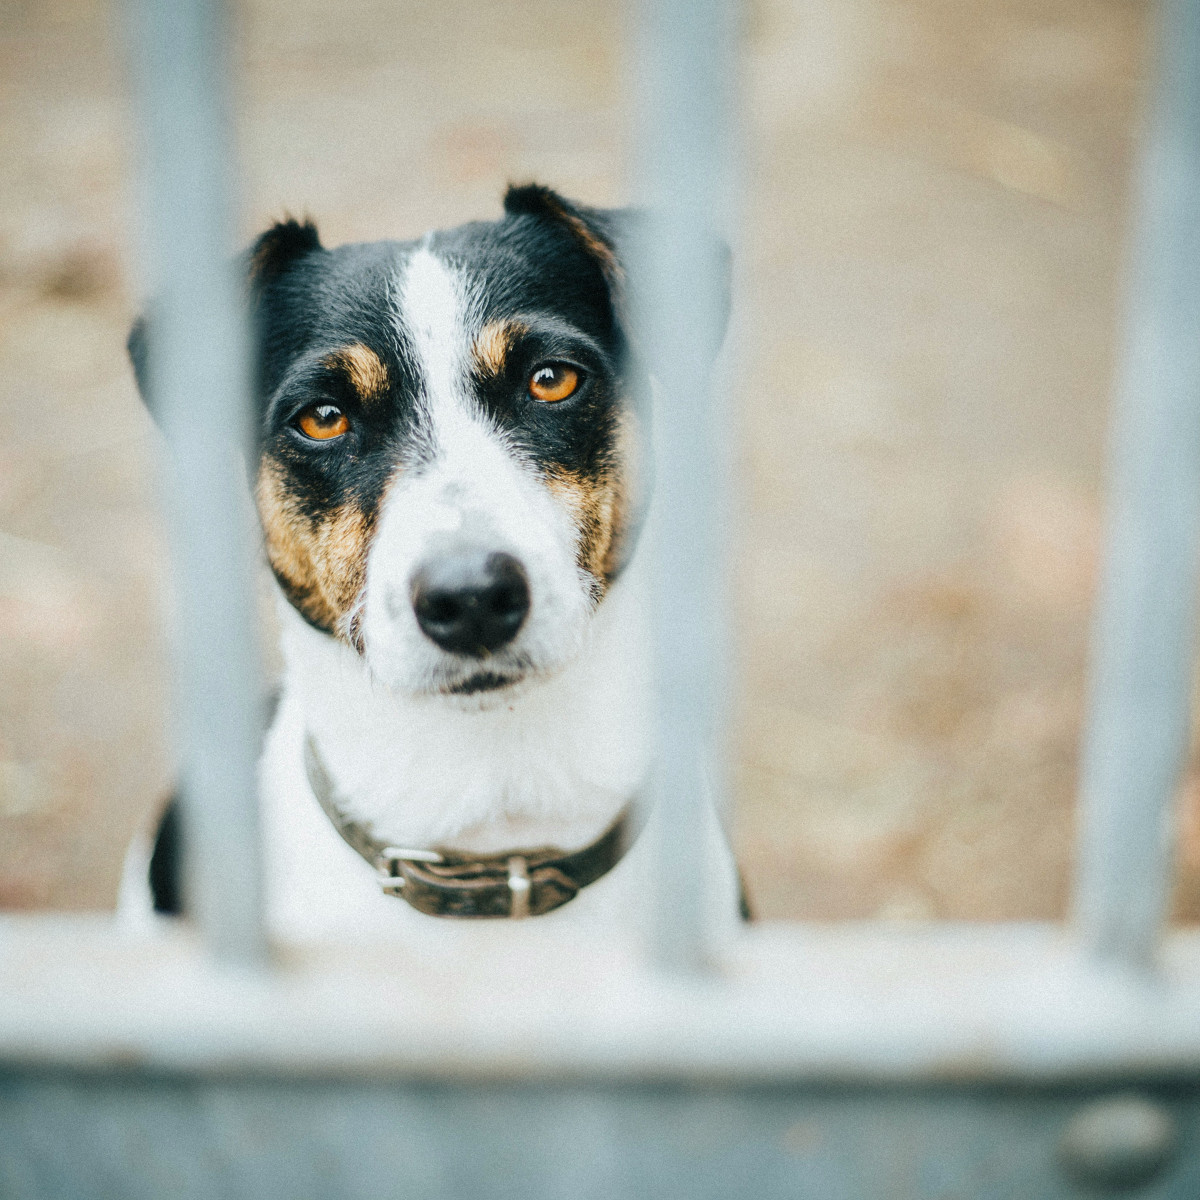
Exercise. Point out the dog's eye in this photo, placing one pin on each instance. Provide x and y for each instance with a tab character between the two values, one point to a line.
553	382
322	422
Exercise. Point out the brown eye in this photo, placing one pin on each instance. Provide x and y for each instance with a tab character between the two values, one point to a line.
323	421
555	381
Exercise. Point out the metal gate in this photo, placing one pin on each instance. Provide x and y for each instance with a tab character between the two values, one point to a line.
1016	1060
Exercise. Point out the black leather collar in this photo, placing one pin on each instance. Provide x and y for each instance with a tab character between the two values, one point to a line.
455	883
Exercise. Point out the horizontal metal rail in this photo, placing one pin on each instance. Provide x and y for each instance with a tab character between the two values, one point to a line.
986	1003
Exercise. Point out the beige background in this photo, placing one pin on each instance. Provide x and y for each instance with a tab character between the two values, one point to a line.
927	293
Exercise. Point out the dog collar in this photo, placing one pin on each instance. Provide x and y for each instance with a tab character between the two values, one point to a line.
456	883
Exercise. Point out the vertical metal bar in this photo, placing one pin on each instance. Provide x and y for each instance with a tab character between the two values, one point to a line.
1137	732
198	377
685	54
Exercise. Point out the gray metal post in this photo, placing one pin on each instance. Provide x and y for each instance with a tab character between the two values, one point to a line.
685	56
1137	732
199	383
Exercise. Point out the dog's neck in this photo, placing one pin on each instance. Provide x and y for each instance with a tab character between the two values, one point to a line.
550	762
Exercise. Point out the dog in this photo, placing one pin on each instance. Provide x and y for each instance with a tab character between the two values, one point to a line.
452	478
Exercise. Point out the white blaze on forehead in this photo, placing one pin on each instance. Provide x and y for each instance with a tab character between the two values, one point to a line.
433	313
465	450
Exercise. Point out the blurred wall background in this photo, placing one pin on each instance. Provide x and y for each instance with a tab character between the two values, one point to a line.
927	294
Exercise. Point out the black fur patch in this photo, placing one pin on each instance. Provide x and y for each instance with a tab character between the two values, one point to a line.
166	863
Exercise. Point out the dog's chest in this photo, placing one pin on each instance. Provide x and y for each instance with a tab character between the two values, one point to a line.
319	889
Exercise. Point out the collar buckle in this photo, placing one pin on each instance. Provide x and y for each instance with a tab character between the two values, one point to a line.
389	871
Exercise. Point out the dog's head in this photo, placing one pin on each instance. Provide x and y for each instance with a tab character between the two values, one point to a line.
450	438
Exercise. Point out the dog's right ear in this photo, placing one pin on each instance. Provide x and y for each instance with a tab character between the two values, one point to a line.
268	259
616	238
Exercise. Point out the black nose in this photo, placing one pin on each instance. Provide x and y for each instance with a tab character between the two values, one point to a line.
471	602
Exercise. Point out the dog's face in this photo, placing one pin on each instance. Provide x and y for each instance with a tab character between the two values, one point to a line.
448	475
450	439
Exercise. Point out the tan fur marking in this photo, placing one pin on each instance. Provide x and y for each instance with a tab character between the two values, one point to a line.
364	368
584	498
592	503
320	563
605	507
258	260
493	343
629	491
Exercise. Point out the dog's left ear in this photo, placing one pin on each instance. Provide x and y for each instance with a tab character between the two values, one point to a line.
136	345
266	261
615	238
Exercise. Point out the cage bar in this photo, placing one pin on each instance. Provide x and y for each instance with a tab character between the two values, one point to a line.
199	387
684	56
1143	640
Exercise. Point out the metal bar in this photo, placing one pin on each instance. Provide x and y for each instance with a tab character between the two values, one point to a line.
198	380
684	54
988	1003
1137	732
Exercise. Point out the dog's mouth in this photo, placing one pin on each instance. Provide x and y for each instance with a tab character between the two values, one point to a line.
498	673
484	681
